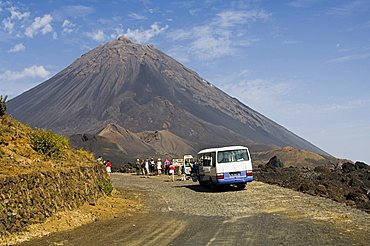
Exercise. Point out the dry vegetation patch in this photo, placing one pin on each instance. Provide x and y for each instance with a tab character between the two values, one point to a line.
18	155
41	175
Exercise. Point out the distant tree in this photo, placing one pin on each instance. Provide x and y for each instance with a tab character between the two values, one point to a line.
3	105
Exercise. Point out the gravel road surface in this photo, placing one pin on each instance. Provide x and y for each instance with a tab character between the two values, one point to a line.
184	213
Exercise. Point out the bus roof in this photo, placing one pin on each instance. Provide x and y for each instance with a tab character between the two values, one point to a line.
221	149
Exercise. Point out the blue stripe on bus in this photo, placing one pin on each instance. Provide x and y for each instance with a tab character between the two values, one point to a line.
235	180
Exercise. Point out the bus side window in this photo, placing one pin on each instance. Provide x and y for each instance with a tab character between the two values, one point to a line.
207	160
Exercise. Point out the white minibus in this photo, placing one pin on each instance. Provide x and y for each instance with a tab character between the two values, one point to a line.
188	162
229	165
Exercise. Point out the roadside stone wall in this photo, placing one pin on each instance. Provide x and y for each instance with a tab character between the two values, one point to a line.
31	198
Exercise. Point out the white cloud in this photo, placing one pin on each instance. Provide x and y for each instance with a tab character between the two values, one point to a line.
68	26
136	16
42	24
181	34
79	10
29	72
119	31
209	44
179	53
221	36
349	8
346	105
17	48
15	15
195	11
8	25
349	58
302	3
142	36
97	35
289	42
74	11
260	93
232	18
206	42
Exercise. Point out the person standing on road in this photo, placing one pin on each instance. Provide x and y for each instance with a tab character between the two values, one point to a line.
147	167
166	166
137	167
108	167
172	172
142	166
159	166
152	166
183	173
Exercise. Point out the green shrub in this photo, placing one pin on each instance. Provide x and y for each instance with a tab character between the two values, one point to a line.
48	143
3	105
106	187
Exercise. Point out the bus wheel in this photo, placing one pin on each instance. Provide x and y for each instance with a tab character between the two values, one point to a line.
214	187
241	186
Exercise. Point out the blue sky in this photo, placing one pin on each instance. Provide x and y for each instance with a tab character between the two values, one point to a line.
303	63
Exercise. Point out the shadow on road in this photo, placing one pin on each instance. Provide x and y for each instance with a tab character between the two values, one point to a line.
207	189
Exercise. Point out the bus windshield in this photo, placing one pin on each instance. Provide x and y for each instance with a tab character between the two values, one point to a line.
232	156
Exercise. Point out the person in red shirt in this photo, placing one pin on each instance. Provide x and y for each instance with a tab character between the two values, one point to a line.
108	167
172	172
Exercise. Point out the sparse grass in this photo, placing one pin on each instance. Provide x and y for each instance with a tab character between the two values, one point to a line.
106	187
19	155
84	153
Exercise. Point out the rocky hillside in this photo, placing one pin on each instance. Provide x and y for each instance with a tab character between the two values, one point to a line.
41	175
18	154
345	182
139	88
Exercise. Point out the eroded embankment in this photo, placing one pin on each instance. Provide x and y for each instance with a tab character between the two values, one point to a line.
31	198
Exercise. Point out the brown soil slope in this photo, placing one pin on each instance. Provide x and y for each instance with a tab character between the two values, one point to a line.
120	145
17	155
294	157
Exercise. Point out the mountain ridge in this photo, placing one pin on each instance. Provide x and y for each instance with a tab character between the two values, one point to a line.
140	88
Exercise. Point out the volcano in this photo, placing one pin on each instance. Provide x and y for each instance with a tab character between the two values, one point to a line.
129	99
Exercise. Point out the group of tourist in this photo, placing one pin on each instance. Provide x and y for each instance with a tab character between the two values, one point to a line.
152	167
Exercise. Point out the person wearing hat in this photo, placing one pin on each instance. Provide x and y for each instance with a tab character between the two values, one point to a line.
159	166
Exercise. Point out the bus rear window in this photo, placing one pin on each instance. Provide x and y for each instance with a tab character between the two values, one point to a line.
232	156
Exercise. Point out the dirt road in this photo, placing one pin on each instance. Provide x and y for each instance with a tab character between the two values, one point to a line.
183	213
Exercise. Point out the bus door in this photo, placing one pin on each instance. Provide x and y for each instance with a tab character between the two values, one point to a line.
207	167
